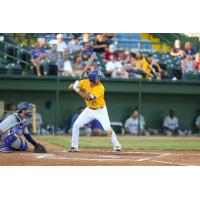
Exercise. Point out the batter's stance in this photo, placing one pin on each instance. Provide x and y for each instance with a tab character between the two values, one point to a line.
92	91
13	126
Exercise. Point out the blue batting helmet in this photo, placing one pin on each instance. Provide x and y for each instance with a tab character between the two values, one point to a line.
95	74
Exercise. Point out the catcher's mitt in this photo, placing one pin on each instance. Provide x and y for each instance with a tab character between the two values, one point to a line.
40	148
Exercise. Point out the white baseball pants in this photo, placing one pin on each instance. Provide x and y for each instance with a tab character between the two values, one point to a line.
88	115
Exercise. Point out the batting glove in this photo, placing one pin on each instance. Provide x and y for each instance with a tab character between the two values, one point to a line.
75	87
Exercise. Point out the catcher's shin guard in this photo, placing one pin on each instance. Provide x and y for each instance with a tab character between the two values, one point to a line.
23	146
5	149
9	140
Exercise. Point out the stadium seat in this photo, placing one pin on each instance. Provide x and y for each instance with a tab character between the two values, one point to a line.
3	63
53	69
14	68
117	127
191	76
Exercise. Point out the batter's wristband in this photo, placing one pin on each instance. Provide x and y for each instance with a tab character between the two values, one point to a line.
76	90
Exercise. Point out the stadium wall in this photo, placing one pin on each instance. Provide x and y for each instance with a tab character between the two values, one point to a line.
57	104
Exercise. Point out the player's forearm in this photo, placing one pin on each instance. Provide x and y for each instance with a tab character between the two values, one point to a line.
30	139
83	95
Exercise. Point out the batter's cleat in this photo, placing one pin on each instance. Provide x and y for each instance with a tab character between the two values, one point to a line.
73	149
118	150
5	150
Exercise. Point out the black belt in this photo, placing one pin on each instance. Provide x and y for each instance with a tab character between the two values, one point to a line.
95	108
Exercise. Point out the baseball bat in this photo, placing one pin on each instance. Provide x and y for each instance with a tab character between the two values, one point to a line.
90	61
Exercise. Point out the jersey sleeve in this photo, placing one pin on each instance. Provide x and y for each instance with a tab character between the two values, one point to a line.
7	123
126	125
81	84
141	124
165	123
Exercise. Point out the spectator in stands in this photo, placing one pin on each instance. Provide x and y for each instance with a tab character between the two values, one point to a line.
156	70
86	51
10	111
85	38
171	125
122	55
177	51
61	45
109	51
154	66
132	124
197	62
197	123
77	64
100	44
73	44
130	67
115	68
142	65
38	57
109	37
92	67
65	67
52	58
187	64
189	50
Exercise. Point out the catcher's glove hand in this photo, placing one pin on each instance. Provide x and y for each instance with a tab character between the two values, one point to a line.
40	148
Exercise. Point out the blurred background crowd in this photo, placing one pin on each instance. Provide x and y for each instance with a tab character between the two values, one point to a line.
119	55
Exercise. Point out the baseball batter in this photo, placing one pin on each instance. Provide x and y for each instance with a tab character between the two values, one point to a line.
92	91
14	125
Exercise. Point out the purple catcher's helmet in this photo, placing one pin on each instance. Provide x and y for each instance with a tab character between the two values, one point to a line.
25	106
95	74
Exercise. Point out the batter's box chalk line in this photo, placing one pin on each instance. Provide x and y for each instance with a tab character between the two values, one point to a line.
104	158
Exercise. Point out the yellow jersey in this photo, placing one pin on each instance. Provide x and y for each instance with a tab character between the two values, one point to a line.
144	65
97	91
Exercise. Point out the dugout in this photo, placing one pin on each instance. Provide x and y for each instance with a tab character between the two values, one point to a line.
154	98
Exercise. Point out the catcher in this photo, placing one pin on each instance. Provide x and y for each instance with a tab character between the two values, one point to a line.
13	126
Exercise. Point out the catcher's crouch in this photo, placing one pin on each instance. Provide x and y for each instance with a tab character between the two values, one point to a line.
13	126
92	91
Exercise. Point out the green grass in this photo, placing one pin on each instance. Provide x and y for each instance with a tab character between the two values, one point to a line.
162	143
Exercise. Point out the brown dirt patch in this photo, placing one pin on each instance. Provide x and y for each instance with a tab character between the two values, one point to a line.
58	156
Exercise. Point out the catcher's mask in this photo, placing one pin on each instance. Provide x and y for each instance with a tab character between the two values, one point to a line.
25	106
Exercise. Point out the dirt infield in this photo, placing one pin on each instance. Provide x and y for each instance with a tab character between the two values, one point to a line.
58	156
